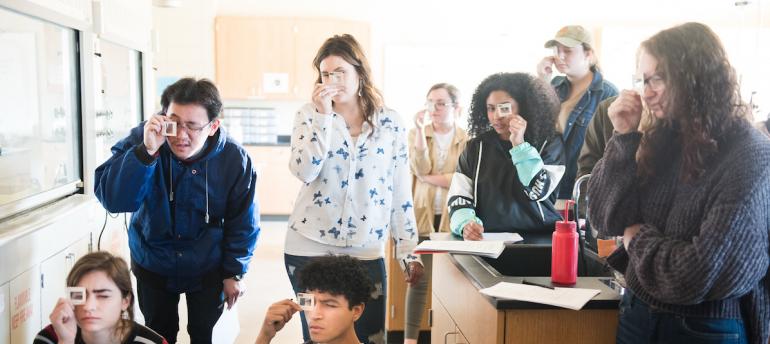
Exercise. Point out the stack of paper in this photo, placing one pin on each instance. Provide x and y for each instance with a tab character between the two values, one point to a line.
572	298
491	249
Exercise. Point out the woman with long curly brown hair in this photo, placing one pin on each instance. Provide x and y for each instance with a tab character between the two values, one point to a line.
689	191
509	170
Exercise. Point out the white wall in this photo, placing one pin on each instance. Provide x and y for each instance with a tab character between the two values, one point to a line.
184	39
418	43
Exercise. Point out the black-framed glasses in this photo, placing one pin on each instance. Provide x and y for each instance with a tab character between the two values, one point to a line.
192	129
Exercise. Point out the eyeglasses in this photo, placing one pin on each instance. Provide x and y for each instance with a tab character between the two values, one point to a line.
333	77
655	83
192	129
431	106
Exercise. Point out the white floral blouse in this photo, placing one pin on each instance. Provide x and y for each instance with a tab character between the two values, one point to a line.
357	192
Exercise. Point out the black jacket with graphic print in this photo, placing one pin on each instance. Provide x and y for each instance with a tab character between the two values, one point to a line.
503	204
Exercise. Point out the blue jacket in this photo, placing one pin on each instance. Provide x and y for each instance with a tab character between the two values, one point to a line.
577	122
170	236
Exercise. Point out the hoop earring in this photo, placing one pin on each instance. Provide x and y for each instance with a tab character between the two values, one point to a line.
360	86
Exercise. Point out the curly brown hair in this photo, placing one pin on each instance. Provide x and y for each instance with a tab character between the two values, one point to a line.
338	275
702	100
538	105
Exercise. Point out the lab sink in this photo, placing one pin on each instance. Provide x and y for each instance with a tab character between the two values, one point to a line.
535	260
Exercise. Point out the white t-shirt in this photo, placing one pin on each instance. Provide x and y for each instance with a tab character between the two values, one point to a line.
442	142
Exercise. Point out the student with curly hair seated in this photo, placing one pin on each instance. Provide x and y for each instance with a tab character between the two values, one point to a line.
341	287
506	177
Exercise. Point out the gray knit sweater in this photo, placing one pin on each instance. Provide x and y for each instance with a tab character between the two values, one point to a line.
703	247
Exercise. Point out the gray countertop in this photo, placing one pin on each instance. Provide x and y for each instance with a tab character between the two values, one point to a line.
483	275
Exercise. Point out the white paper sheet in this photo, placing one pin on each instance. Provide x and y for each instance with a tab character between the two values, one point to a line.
572	298
504	237
482	248
227	327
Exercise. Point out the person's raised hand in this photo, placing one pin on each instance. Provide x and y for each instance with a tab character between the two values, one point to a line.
625	112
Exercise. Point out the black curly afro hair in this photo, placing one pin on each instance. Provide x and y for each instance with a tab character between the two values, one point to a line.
538	105
337	275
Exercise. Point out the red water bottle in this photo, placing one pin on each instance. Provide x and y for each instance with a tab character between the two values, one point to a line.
564	250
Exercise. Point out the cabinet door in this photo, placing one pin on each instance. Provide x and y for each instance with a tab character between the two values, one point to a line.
54	271
310	35
5	313
247	49
25	306
396	311
443	329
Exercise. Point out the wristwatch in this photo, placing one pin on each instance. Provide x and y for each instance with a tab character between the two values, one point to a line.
237	278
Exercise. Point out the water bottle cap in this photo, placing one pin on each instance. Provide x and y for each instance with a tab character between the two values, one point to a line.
566	226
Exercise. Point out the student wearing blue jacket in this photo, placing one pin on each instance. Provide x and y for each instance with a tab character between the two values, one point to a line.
194	223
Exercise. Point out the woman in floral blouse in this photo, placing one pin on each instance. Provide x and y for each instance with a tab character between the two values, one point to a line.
351	153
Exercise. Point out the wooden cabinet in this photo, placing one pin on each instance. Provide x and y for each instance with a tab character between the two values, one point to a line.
310	34
443	328
249	50
457	302
277	188
246	49
396	310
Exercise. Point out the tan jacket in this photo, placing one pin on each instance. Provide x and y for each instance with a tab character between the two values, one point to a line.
422	163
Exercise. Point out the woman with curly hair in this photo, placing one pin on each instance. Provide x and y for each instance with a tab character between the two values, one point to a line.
689	191
508	172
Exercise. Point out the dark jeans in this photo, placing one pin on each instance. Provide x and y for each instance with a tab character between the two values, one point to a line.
641	324
160	309
370	328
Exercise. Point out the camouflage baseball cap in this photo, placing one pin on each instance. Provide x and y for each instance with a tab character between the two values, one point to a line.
571	36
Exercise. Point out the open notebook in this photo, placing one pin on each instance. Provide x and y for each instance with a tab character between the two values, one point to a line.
491	249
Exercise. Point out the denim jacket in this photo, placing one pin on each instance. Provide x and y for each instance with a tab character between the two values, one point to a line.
577	122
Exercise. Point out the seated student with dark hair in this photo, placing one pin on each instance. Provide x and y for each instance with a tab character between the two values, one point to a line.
341	287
